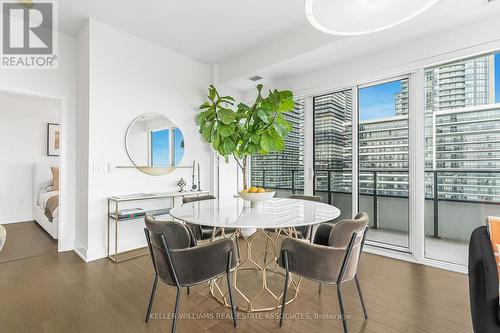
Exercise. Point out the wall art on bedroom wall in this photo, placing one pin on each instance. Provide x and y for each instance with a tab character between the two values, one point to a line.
53	139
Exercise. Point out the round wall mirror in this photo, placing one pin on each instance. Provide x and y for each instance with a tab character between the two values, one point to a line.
154	144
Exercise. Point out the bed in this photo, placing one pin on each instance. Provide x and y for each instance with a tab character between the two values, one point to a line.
45	199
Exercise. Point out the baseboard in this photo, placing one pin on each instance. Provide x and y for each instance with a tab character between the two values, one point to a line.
80	250
66	246
100	253
16	219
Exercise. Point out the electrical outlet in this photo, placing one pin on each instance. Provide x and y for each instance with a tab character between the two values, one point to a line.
22	200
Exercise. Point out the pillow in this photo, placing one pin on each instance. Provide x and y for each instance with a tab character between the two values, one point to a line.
55	178
46	187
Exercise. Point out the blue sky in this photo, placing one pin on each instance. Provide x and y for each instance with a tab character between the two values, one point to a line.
497	78
159	149
378	101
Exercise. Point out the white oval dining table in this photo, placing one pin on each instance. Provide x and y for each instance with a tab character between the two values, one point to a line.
258	230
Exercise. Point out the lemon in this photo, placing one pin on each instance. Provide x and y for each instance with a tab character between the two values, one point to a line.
252	189
244	191
261	190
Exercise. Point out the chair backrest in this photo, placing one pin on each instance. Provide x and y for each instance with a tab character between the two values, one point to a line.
316	198
3	236
186	200
176	236
341	237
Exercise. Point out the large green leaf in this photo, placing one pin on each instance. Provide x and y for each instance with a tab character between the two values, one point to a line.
202	116
212	92
266	142
226	130
264	116
286	105
207	132
228	146
205	105
255	138
217	141
227	116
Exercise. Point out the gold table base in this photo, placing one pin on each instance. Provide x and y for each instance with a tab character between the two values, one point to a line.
259	262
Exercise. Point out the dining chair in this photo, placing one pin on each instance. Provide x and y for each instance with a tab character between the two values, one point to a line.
305	232
203	232
200	232
3	236
332	258
179	262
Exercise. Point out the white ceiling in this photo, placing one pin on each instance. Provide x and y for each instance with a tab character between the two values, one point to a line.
211	31
248	37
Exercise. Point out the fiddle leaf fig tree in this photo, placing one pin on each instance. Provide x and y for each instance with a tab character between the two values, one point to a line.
242	130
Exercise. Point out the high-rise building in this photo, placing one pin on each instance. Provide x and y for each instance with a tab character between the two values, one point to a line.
402	99
331	138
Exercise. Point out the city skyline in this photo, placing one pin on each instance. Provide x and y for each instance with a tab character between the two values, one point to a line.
376	102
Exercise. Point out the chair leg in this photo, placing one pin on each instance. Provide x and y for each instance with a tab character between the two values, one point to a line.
176	309
230	288
267	249
188	290
237	239
319	288
342	312
283	301
358	286
151	298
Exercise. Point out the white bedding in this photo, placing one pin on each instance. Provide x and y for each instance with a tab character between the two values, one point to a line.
44	197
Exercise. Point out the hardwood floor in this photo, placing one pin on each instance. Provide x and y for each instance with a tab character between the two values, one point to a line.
25	240
61	293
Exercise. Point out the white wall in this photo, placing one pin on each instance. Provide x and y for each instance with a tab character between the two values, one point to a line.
129	76
82	158
57	83
23	142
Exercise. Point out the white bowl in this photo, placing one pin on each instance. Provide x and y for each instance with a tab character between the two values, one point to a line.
257	197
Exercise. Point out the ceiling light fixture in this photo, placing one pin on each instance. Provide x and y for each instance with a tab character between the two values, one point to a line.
361	17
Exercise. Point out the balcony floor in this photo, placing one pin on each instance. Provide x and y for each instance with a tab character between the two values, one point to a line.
447	250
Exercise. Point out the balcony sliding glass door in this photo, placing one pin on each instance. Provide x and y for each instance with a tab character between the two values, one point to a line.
383	160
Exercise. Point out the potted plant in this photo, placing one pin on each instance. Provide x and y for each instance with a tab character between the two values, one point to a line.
240	130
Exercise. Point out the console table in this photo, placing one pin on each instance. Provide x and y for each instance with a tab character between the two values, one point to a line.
116	216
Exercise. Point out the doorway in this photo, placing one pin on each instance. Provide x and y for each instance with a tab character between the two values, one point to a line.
31	141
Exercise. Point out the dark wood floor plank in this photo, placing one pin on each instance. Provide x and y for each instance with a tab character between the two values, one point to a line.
61	293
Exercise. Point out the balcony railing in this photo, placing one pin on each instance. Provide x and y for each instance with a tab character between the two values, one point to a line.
372	184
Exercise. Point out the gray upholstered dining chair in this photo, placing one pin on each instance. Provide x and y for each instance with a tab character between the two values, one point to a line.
200	232
203	232
178	262
3	236
332	258
305	232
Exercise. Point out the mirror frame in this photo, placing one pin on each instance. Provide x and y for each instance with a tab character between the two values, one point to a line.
152	171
